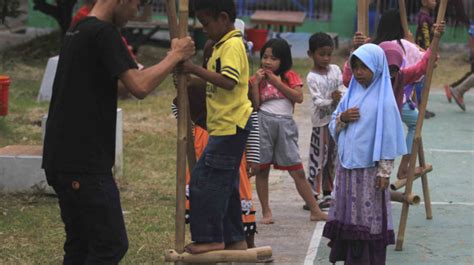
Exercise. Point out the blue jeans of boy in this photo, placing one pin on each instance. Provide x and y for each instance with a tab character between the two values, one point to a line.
215	208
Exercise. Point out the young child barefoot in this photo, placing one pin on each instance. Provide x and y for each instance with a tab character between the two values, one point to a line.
215	206
275	89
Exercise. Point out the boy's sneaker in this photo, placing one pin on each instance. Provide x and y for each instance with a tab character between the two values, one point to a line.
458	98
447	91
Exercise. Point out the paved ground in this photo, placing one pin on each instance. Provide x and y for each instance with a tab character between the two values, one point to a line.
447	239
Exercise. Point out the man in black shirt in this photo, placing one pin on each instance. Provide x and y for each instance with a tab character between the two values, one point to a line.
79	146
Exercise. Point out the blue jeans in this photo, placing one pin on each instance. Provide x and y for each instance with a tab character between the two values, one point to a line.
92	216
419	90
215	208
409	117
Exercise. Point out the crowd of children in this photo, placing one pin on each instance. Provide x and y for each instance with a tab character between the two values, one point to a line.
243	124
356	136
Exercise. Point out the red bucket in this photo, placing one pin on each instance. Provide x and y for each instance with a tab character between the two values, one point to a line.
258	37
4	86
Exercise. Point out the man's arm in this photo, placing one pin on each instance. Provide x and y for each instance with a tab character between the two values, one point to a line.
141	83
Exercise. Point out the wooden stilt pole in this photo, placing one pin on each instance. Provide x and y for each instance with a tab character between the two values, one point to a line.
183	117
417	149
424	184
183	123
173	29
362	16
404	18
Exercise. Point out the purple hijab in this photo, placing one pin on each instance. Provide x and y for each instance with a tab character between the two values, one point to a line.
394	54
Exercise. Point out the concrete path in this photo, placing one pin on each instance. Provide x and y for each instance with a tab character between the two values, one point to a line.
447	239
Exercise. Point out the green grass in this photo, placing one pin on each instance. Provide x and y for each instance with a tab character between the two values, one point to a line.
31	231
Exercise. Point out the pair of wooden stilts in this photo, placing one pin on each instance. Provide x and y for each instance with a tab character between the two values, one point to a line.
407	197
186	154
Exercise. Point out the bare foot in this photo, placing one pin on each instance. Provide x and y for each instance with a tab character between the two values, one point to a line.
318	216
196	248
267	218
238	245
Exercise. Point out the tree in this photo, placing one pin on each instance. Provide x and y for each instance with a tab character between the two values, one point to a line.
9	8
61	11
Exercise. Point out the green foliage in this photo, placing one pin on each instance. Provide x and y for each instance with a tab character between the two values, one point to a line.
9	8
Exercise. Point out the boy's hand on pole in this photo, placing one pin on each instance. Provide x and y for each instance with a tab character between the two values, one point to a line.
183	48
187	67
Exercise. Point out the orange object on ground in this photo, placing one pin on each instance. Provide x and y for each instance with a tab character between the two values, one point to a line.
248	211
4	87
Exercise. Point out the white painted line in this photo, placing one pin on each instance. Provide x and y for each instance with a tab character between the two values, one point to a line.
450	151
314	244
446	203
452	203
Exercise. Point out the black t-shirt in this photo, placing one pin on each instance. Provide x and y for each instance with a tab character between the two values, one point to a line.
80	130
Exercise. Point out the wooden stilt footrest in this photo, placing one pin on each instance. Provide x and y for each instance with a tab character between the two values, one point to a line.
419	171
249	255
412	199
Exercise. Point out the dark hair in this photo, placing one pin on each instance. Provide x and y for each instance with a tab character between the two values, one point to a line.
282	51
318	40
216	7
390	28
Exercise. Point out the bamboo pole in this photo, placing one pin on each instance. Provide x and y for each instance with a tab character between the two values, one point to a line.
404	18
362	16
411	199
251	255
424	184
173	29
366	10
417	143
419	172
183	122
